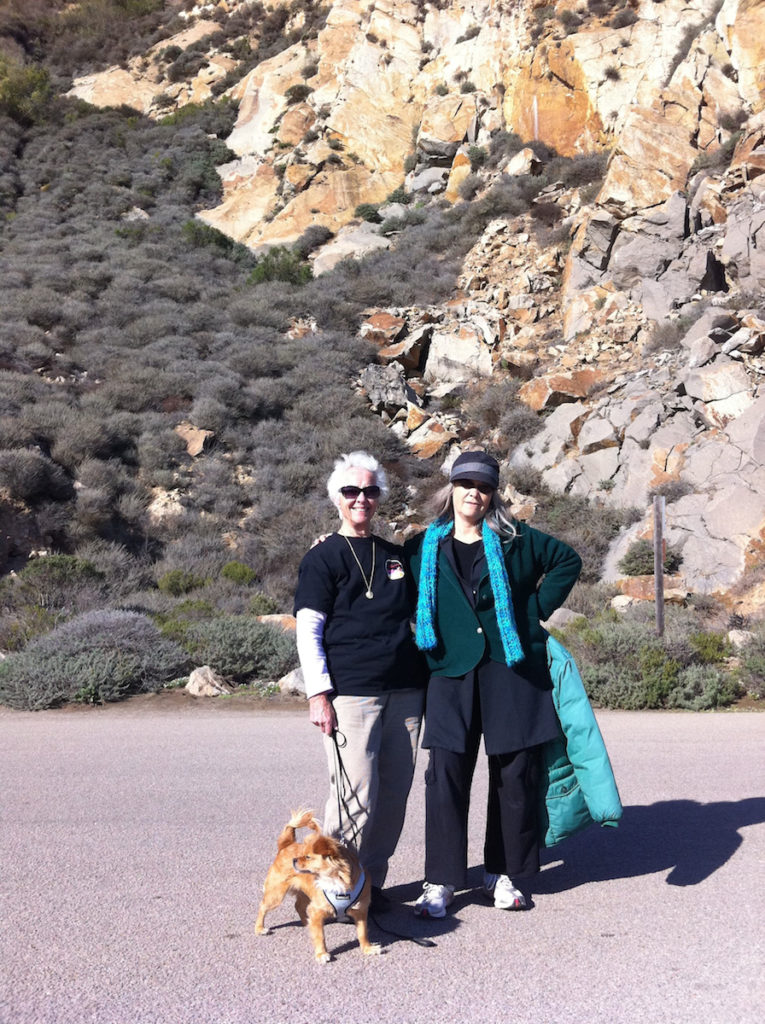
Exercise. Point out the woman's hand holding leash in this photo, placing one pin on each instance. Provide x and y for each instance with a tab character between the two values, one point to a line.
322	713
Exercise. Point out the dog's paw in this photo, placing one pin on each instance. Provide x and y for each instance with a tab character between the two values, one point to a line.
262	931
373	949
323	958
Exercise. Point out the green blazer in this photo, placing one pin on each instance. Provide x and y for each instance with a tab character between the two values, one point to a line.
541	571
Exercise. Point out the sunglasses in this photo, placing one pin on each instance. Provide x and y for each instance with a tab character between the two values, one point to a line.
351	493
474	485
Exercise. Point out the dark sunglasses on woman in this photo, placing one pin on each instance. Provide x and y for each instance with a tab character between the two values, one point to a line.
351	493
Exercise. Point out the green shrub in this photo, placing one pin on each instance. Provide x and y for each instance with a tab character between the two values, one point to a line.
625	664
638	561
95	657
752	660
710	648
261	604
658	674
196	233
239	573
399	195
314	236
369	212
281	264
297	93
24	91
241	648
178	581
702	688
174	624
29	476
478	157
21	624
55	581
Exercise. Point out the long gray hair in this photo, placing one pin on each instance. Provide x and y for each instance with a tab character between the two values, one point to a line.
498	517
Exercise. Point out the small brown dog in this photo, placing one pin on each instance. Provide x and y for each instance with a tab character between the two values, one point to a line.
327	880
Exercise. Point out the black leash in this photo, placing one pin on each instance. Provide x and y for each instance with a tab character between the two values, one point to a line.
343	788
344	791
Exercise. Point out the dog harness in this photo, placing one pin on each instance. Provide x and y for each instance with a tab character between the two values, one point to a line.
343	901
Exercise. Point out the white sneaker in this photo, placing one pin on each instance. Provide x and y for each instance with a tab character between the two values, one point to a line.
434	900
505	894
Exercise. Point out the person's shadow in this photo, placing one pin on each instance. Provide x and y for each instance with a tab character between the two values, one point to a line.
689	839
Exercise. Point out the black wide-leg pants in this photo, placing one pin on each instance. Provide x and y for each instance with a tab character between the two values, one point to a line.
511	845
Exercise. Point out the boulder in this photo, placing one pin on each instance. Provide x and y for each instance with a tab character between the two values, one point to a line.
444	125
195	438
430	439
355	241
554	388
643	588
410	351
722	379
382	328
284	622
386	387
524	162
206	682
459	171
293	683
458	356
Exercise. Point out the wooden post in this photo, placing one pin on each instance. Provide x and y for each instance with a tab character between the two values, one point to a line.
658	562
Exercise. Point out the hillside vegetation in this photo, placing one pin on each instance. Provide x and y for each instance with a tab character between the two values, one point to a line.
131	329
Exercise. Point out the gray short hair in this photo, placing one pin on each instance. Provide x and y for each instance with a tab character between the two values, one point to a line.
355	460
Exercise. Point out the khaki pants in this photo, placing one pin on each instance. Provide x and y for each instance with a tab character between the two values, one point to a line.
377	739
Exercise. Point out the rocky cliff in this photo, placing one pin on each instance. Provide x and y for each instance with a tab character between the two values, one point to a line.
637	323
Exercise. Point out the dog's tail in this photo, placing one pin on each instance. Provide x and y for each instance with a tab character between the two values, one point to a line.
300	819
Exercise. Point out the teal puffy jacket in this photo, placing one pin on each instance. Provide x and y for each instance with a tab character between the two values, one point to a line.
577	785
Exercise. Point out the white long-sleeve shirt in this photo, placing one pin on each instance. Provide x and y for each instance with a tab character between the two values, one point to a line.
309	634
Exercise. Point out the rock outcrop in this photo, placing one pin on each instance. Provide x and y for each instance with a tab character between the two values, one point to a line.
636	325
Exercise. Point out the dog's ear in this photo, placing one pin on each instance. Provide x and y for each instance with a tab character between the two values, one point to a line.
326	847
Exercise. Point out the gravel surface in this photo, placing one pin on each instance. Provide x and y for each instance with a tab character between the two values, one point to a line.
135	839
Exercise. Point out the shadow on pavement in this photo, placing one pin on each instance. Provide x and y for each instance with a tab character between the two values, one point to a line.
398	922
690	839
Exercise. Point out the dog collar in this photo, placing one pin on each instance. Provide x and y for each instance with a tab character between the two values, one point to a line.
343	901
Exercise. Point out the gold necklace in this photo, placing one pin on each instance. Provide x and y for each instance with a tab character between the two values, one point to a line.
367	582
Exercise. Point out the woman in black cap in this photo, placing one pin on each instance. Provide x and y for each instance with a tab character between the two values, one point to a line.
485	581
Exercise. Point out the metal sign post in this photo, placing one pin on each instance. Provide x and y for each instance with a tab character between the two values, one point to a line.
658	562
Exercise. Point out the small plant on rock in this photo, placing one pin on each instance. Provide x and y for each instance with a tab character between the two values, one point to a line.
639	559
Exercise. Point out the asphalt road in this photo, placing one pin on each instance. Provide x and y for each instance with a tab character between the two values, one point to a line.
134	840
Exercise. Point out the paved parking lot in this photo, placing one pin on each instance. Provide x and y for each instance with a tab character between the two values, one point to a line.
135	839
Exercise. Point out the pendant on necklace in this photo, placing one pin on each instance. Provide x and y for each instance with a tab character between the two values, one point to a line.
369	595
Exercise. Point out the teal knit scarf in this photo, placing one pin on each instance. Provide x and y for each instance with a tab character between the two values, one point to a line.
503	606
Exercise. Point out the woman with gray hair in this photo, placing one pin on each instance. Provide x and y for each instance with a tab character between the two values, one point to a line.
363	674
485	581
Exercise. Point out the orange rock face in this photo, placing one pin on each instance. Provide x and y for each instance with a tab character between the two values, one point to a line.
555	388
548	100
